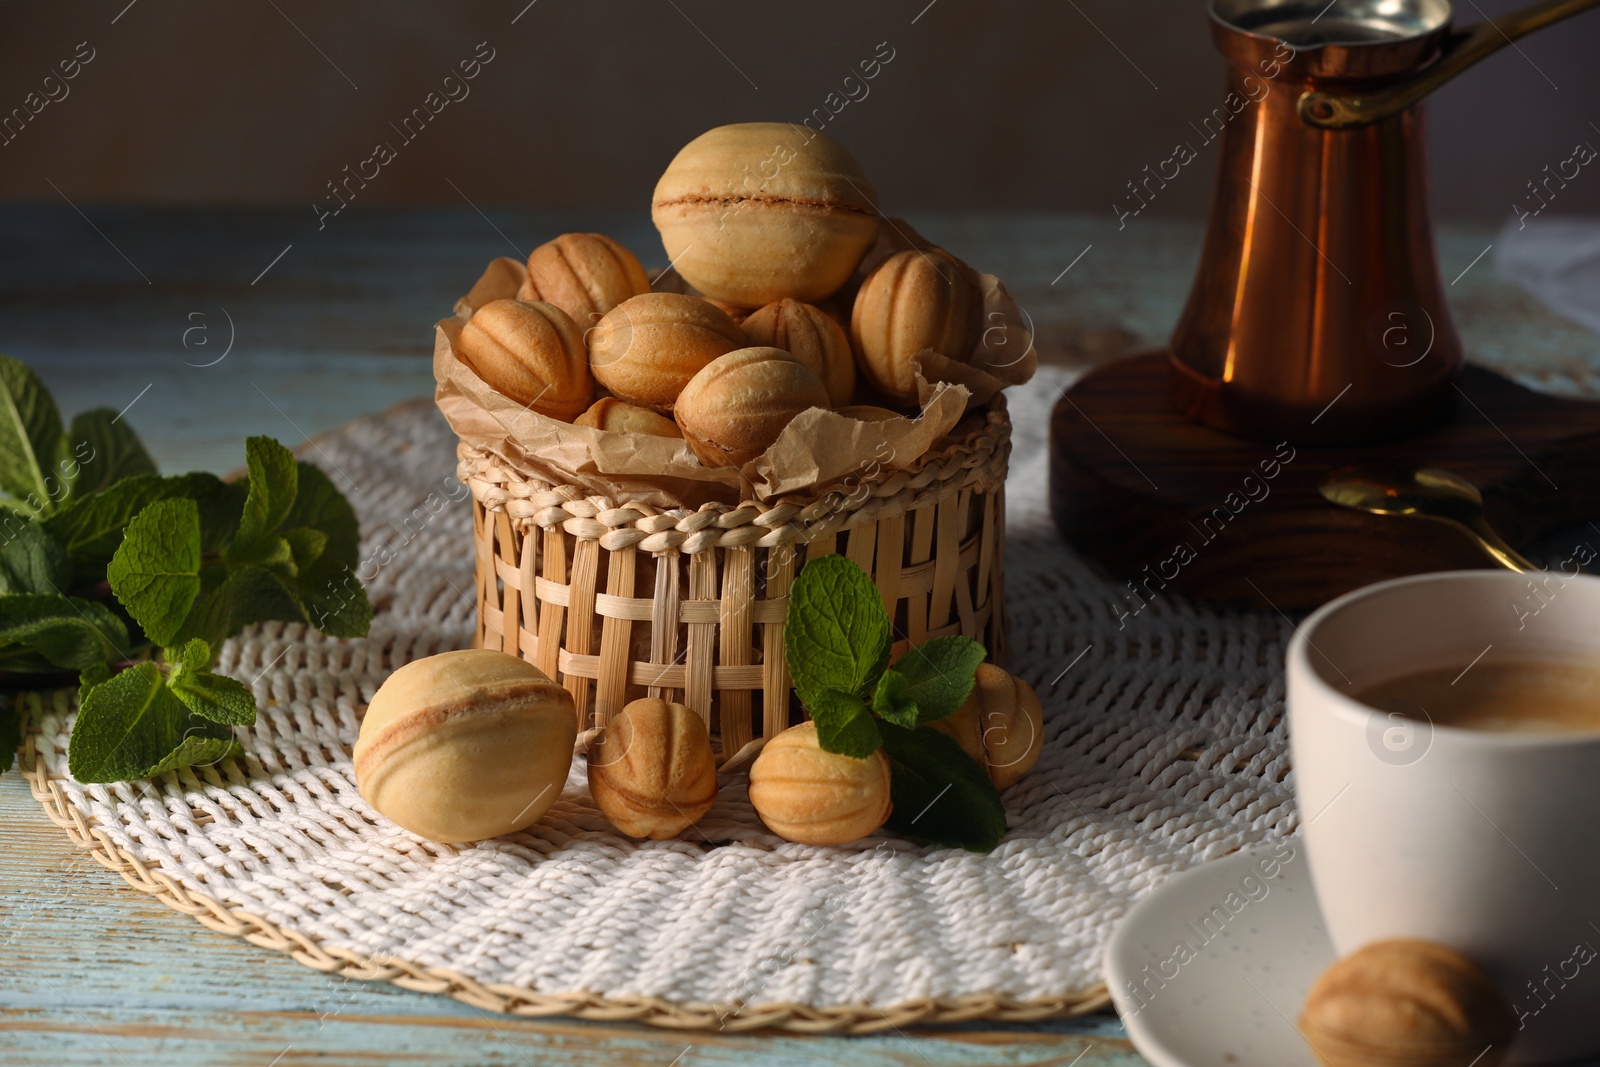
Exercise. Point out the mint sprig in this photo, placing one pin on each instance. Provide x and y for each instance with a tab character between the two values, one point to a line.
838	640
134	580
135	725
296	540
214	697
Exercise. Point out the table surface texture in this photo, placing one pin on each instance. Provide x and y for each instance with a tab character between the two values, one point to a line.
208	325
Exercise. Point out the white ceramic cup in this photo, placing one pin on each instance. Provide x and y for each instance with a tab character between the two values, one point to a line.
1486	842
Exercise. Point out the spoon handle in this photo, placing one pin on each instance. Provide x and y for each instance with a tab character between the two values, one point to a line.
1496	549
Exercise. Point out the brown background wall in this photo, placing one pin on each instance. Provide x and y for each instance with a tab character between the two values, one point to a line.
1018	105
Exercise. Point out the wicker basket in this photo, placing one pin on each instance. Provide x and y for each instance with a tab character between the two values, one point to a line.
619	600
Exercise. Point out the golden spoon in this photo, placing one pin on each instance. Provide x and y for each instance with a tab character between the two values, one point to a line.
1424	493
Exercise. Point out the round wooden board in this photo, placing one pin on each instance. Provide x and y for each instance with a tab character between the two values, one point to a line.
1174	506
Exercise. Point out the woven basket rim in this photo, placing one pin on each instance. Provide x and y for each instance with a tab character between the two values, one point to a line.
731	1017
972	450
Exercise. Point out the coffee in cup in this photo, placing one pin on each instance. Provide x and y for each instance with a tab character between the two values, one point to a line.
1504	696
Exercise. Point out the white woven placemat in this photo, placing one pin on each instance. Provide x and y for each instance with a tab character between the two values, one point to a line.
1165	747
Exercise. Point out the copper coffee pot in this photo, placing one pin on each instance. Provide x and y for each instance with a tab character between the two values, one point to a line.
1318	313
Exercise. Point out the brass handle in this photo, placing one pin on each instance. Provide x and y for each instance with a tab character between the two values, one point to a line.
1462	49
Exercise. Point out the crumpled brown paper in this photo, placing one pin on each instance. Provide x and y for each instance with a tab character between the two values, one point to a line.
816	451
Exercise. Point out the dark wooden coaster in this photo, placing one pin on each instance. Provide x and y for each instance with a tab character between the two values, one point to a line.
1175	507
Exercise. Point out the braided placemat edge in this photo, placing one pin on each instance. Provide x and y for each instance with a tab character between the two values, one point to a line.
860	1018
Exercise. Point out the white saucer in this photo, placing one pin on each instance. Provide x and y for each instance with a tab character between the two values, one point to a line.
1228	996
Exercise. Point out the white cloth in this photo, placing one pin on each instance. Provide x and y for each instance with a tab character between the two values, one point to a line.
1165	747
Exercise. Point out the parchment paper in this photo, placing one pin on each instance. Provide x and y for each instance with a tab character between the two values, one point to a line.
816	451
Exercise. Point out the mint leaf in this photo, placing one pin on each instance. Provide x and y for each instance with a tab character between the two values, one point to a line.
889	699
211	696
98	451
306	546
90	525
198	750
92	676
192	655
321	507
219	503
939	794
10	732
132	726
837	634
247	595
325	537
41	632
939	674
270	551
156	570
216	697
31	561
334	599
274	484
844	725
295	556
30	431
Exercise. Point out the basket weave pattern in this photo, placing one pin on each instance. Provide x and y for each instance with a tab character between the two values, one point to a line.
621	600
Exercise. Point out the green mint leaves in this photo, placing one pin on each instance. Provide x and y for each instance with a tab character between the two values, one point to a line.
45	634
30	435
191	575
156	571
836	619
844	723
89	527
146	721
132	580
41	464
838	642
100	450
294	545
939	793
929	681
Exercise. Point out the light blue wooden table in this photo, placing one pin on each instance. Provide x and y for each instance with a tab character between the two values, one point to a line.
207	326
